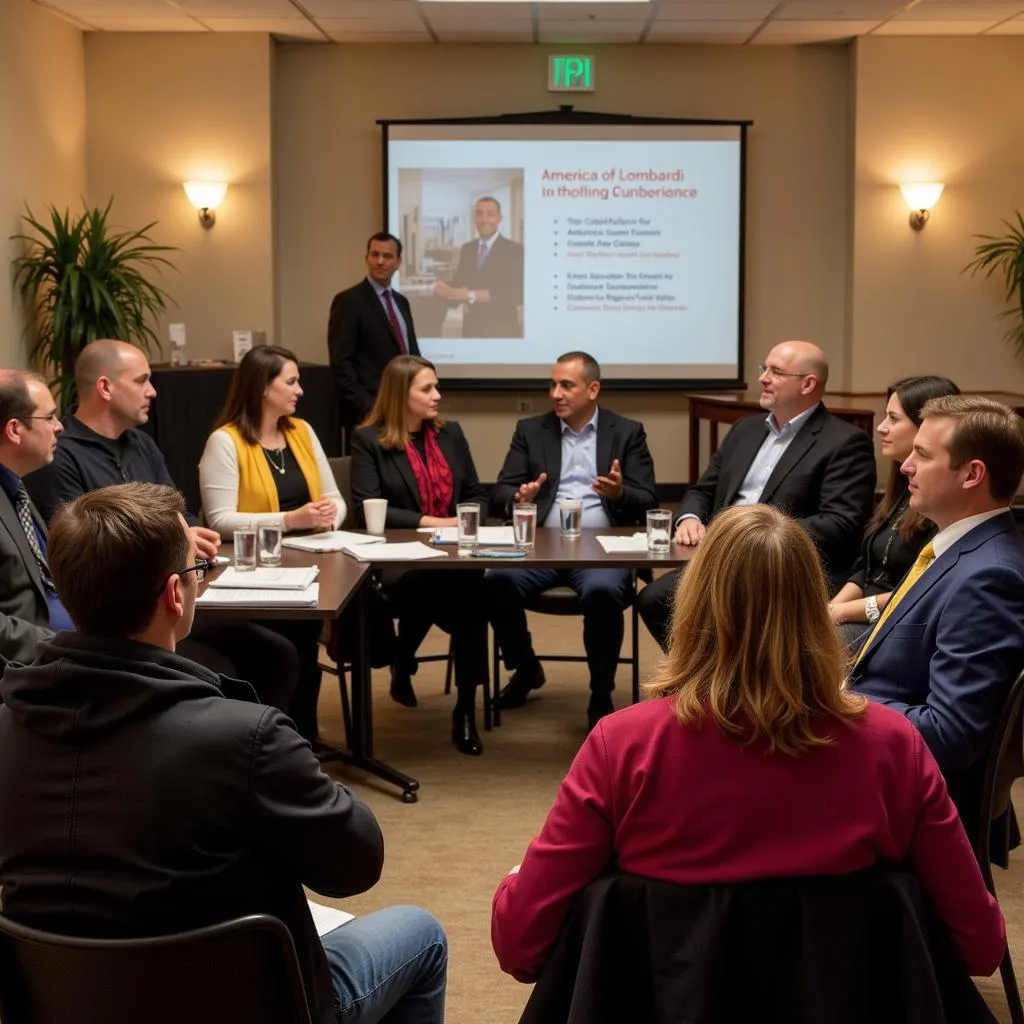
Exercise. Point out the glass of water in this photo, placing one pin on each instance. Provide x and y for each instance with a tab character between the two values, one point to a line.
659	530
269	535
524	525
245	549
571	512
469	526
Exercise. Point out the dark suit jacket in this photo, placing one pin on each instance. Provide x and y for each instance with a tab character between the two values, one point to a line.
379	472
825	479
24	613
361	344
502	275
537	448
949	652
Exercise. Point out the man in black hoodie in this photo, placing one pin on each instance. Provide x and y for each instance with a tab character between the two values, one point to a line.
141	794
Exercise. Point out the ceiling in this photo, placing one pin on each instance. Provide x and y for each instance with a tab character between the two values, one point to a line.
735	22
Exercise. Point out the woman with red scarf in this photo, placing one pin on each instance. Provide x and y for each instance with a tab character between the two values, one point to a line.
405	453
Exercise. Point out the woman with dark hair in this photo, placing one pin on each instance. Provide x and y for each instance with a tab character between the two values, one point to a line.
422	465
754	762
262	464
896	533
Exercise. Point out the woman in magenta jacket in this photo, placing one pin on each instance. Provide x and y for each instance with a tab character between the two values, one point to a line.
753	762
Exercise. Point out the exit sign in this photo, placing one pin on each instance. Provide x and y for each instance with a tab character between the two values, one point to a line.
568	73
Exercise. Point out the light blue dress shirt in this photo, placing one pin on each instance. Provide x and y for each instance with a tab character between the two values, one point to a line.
768	455
579	470
398	310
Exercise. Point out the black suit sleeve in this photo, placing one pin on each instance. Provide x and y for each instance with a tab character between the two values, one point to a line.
410	328
638	488
514	472
699	499
342	338
369	480
847	492
470	488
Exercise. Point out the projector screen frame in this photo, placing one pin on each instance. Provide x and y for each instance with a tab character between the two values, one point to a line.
567	114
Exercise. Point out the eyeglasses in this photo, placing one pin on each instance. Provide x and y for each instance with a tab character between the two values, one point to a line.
774	371
199	569
50	417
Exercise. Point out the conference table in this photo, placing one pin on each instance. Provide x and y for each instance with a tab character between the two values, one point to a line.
345	581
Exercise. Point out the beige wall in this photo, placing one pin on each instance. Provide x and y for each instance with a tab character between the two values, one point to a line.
163	109
947	110
42	124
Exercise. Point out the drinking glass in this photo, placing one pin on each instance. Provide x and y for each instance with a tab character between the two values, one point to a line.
269	535
659	530
245	549
524	525
571	513
469	527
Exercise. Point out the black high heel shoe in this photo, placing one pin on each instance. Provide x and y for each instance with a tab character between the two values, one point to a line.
464	734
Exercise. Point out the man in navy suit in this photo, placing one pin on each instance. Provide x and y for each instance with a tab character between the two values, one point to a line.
583	452
951	641
370	324
488	279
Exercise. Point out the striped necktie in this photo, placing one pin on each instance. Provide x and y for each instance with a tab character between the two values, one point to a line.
24	511
396	327
924	559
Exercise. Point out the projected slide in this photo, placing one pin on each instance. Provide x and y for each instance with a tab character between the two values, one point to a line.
524	241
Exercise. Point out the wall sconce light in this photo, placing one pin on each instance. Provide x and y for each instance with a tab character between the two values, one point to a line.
921	196
206	196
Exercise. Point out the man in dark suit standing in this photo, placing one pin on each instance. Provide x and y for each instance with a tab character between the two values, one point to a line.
950	642
800	458
581	452
30	610
488	279
370	323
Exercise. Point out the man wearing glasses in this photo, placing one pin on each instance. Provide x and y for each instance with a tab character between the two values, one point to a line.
30	610
141	794
801	459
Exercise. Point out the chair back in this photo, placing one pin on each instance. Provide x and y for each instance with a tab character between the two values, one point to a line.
341	467
241	970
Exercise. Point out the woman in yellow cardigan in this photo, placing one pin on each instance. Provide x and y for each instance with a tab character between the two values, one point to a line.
262	464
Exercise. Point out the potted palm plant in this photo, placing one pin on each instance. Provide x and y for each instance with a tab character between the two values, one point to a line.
82	280
1005	253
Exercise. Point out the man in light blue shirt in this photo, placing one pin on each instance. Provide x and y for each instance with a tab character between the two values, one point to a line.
577	451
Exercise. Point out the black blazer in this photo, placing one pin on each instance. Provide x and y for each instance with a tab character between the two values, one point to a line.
826	480
379	472
361	344
502	275
537	448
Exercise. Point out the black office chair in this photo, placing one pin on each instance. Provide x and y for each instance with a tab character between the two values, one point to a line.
241	970
1004	764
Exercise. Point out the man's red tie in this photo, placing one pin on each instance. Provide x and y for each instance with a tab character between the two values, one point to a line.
396	327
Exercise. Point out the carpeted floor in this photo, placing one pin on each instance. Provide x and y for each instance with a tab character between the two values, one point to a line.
476	815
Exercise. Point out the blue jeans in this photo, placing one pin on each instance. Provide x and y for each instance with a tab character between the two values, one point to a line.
389	966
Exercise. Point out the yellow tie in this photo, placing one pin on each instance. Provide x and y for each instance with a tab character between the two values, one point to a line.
924	559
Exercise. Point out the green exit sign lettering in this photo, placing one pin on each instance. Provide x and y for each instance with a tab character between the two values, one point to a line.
568	73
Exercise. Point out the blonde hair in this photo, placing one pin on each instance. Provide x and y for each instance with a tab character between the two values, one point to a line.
752	647
392	400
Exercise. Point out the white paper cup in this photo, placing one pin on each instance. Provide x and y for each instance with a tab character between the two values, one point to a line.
375	511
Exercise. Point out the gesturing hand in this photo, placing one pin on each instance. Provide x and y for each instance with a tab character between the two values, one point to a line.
610	486
528	492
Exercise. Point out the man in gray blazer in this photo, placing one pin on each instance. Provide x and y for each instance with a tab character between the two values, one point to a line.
30	610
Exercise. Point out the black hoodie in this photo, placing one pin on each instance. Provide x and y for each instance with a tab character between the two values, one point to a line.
140	794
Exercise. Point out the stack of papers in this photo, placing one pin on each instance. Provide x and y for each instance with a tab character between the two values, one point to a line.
248	597
335	540
623	545
267	578
488	536
413	551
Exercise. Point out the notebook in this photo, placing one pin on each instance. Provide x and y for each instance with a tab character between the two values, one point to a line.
335	540
267	578
412	551
246	597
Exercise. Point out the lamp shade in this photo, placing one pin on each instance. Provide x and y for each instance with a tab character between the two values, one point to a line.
206	195
921	195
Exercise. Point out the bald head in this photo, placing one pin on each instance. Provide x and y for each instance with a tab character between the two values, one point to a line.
793	380
103	358
805	357
114	389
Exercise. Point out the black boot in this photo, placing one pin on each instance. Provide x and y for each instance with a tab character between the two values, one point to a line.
464	734
401	686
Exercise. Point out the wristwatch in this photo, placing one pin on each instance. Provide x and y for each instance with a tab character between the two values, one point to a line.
471	298
871	612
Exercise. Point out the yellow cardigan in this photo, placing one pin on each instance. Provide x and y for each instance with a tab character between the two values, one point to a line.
257	491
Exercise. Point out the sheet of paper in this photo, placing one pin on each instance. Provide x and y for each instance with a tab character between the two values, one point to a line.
335	540
488	537
623	545
219	597
267	578
412	551
327	919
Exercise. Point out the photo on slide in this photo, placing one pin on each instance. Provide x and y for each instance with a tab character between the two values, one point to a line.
462	238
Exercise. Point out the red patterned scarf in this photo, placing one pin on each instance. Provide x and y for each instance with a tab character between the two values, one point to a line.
433	478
